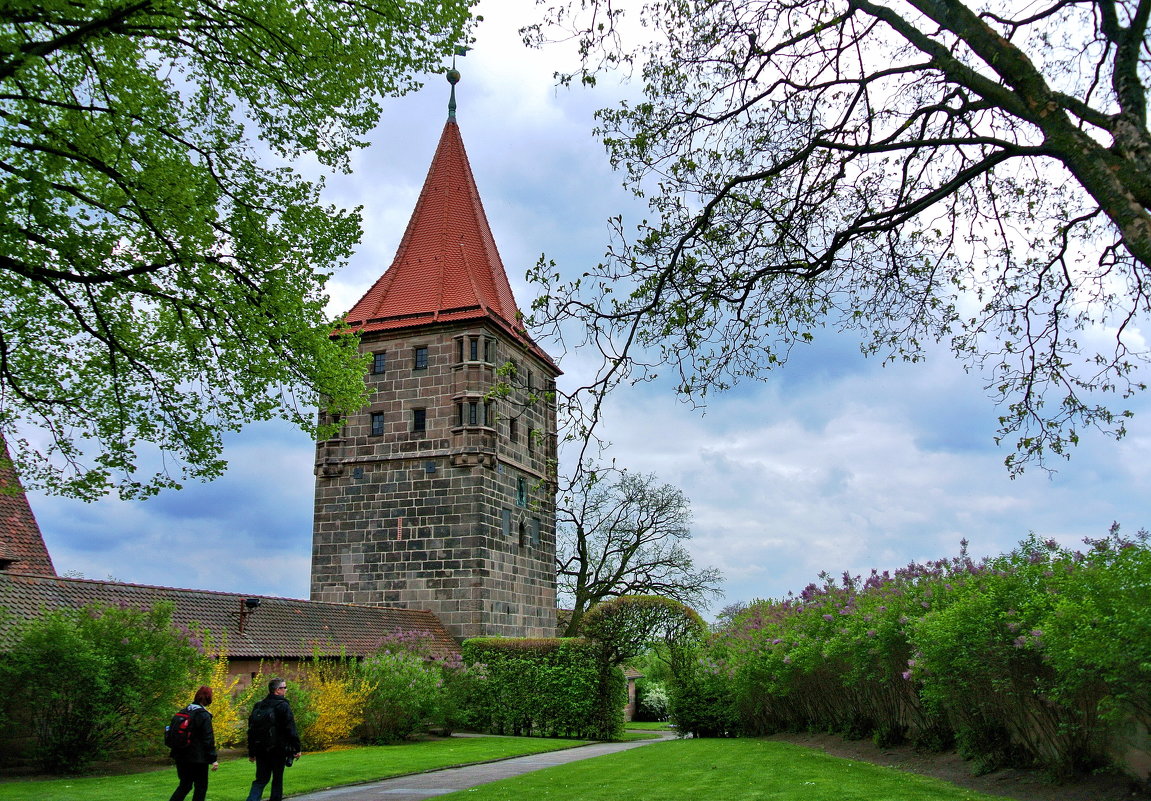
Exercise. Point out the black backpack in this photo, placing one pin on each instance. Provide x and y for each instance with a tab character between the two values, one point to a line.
263	734
178	733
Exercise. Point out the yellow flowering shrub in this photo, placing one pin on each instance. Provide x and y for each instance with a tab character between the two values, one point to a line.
336	700
229	717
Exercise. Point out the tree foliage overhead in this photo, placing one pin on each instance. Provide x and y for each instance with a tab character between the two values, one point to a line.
971	173
624	536
161	274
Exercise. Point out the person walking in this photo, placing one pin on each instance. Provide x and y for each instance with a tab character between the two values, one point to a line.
198	753
273	742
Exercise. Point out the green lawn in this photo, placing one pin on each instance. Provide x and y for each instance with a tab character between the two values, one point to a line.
719	770
313	772
640	725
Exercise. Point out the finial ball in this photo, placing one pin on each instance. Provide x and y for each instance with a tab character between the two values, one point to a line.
453	76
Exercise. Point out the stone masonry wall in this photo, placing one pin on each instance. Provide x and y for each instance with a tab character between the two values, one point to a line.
458	518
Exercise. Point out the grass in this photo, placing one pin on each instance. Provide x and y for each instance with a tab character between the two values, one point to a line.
731	770
313	772
639	725
630	735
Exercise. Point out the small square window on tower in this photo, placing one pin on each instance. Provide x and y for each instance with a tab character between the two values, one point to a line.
419	421
377	424
379	362
421	358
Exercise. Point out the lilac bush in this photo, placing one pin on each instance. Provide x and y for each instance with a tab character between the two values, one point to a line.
1039	656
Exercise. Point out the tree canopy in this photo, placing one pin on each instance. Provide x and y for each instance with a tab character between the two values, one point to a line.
623	535
627	626
975	174
161	272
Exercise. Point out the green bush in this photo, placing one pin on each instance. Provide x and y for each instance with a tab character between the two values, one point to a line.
651	700
700	699
403	696
1041	656
544	687
98	680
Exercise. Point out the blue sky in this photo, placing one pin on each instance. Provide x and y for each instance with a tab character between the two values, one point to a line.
833	463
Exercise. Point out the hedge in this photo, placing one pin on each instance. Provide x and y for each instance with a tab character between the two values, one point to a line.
558	687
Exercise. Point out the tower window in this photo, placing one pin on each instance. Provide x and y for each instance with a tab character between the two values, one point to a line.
377	424
379	362
513	429
421	358
521	492
506	522
419	421
489	350
531	381
473	349
534	531
475	413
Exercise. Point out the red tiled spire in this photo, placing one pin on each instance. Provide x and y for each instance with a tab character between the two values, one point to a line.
21	544
447	267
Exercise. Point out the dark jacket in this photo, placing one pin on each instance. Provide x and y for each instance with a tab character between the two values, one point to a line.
287	737
203	744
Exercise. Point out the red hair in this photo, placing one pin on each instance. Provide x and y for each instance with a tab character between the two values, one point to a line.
203	696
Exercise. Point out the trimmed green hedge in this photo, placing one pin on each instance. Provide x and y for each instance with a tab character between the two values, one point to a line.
557	687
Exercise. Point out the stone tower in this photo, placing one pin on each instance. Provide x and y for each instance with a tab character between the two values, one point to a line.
440	493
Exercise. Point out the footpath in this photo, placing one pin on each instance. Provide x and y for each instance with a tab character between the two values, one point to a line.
419	786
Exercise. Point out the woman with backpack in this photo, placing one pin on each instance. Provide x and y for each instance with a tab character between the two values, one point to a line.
193	745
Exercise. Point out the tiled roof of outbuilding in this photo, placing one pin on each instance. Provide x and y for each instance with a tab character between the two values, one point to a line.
279	628
447	267
21	544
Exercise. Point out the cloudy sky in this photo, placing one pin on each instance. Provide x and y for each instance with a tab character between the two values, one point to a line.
835	463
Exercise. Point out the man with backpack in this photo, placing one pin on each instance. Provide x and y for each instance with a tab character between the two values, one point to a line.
273	742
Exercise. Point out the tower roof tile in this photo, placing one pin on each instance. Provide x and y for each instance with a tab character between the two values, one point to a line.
447	267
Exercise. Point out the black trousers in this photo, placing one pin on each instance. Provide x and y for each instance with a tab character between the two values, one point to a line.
191	775
269	766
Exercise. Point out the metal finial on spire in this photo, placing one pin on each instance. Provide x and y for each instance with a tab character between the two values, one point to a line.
453	79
